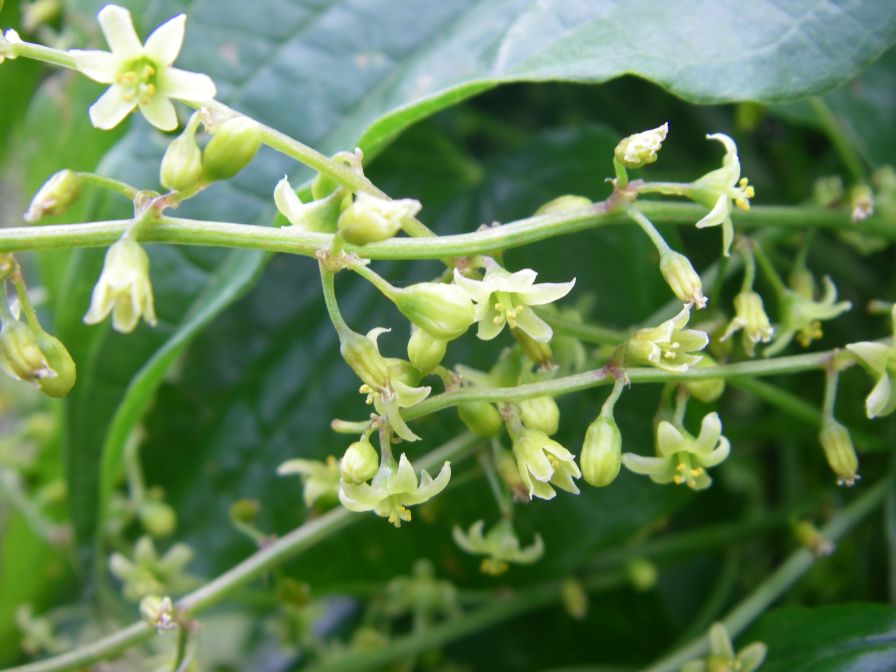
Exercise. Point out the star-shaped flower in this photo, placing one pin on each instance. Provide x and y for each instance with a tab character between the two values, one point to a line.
503	298
320	480
880	360
720	188
749	315
721	657
149	573
681	458
542	462
394	488
500	546
123	288
668	346
801	316
140	74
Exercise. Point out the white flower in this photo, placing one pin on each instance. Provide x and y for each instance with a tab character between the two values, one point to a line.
542	462
749	315
123	287
801	316
394	488
880	360
500	545
668	346
320	480
503	298
140	74
719	188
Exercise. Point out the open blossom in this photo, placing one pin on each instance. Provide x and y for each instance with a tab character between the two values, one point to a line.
393	489
140	74
123	288
681	458
542	463
880	360
720	188
749	315
668	346
503	298
500	546
320	480
801	315
722	658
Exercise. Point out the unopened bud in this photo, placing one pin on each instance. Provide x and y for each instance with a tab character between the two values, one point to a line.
20	353
839	451
812	539
444	311
564	203
360	462
231	148
540	413
682	278
370	219
861	200
181	167
537	352
157	518
708	389
158	612
60	362
324	185
480	417
574	597
637	150
642	573
56	194
601	455
828	191
425	351
244	511
362	355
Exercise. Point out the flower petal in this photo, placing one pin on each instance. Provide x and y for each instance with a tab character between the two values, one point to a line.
409	396
165	42
546	292
160	112
490	323
118	29
110	108
478	290
874	355
717	456
669	439
100	66
404	480
710	431
533	325
880	401
185	85
358	497
514	283
288	202
659	469
429	486
718	213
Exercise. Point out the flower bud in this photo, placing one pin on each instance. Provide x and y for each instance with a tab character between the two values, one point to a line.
574	598
563	203
682	278
540	413
709	389
637	150
839	451
828	191
861	200
56	194
123	289
157	518
20	353
60	362
181	166
601	455
642	573
362	355
425	351
244	511
360	462
231	148
537	352
811	538
324	185
481	418
158	612
370	219
444	311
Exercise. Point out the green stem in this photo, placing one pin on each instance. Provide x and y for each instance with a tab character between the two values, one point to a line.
329	291
837	136
665	188
39	52
655	236
832	376
779	581
109	183
590	333
769	271
374	279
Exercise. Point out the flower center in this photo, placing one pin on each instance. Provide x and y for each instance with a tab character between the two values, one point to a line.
505	309
138	79
687	473
742	193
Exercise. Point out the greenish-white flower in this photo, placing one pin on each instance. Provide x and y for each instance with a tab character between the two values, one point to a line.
148	573
880	360
503	298
140	74
720	188
500	546
393	489
320	480
668	346
7	39
318	215
542	463
123	288
681	458
801	316
750	316
722	658
639	149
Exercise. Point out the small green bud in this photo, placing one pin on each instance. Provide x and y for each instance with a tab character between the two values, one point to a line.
601	455
244	511
157	518
564	203
828	191
158	612
640	149
20	353
56	194
812	539
537	352
60	362
231	148
839	451
424	350
540	413
682	278
444	311
574	598
360	462
861	200
181	167
362	355
707	390
481	418
370	219
642	573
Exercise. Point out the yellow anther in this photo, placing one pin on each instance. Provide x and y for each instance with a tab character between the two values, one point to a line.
680	467
149	89
677	479
697	472
148	71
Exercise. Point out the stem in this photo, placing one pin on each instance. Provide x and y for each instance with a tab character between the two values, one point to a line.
837	136
590	333
375	279
502	498
780	580
656	238
109	183
329	290
39	52
832	376
288	546
769	271
665	188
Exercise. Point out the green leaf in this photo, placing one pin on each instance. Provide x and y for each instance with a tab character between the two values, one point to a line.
837	638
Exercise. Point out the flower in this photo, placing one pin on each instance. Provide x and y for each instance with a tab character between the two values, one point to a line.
880	360
543	462
140	74
123	288
320	480
370	219
718	188
54	196
749	315
394	488
683	459
637	150
148	573
839	451
500	545
682	279
801	316
722	658
668	346
503	298
319	215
